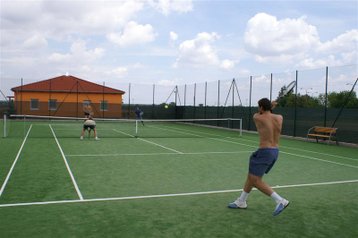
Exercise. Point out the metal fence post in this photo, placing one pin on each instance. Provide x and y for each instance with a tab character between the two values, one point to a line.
250	94
295	114
326	99
271	87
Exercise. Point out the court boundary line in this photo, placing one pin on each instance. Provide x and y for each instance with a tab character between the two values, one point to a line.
301	156
150	142
168	153
172	194
310	151
281	146
318	159
224	139
14	163
67	165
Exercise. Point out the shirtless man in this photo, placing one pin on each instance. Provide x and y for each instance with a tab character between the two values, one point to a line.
89	124
269	127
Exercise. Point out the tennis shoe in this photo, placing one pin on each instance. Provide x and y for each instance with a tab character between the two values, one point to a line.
81	138
96	138
280	207
238	204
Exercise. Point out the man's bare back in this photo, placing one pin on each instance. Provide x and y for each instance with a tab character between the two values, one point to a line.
269	127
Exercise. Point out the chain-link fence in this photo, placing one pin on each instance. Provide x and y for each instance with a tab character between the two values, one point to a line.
235	98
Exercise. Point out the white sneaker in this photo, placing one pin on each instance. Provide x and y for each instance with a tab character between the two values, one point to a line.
96	138
281	206
81	138
237	204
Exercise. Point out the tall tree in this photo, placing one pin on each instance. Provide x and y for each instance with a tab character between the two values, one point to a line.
337	100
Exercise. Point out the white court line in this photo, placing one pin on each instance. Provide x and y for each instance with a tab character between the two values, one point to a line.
13	164
118	131
310	151
67	166
281	146
150	154
297	155
180	131
318	159
172	194
150	142
293	154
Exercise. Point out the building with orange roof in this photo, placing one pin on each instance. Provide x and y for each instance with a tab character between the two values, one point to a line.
67	96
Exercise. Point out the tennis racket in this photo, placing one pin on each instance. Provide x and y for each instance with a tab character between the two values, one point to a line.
284	92
287	89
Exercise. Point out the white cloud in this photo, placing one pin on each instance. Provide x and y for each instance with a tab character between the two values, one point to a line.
58	19
168	6
227	64
57	57
133	33
90	17
35	41
198	51
119	72
78	54
342	50
312	63
271	39
173	36
342	43
165	82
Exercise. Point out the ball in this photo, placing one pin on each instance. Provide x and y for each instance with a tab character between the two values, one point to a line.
166	106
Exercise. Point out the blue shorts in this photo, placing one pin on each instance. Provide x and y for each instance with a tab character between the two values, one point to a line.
262	160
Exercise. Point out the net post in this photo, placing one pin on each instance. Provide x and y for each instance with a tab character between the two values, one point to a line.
5	126
24	126
136	128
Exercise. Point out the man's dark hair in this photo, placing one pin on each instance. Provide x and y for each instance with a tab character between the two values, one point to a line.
265	103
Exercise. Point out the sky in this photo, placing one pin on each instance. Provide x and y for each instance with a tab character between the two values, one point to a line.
172	42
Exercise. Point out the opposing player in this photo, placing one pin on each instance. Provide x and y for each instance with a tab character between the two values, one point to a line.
89	124
87	110
139	114
269	127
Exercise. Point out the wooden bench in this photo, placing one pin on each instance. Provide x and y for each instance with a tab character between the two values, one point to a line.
324	133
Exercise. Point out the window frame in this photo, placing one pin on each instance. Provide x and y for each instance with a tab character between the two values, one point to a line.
103	105
50	104
34	102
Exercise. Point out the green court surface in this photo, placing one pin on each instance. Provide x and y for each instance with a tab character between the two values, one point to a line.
170	181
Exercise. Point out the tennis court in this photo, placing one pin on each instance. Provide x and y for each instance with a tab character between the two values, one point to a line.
173	180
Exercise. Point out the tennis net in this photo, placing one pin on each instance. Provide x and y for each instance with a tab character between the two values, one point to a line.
70	127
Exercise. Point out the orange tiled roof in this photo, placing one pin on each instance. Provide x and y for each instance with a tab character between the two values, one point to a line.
66	84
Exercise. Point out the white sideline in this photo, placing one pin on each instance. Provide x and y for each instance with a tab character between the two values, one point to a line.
281	146
172	194
293	154
310	151
13	164
67	166
150	142
151	154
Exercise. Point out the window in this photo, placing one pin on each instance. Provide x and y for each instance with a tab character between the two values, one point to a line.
52	104
34	104
104	106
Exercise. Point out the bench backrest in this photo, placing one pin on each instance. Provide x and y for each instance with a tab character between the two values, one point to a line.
328	130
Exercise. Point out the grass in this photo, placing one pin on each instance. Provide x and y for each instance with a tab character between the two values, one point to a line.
40	198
